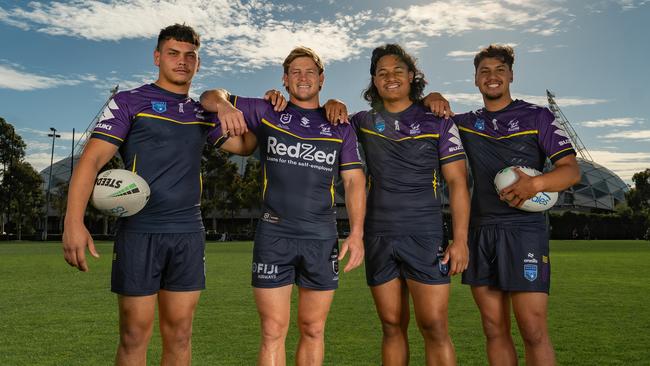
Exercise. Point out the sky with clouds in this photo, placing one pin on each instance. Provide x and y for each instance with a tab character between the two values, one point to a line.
61	58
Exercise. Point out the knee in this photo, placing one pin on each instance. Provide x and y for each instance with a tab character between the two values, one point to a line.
494	329
134	336
273	330
313	330
533	335
178	335
393	326
435	329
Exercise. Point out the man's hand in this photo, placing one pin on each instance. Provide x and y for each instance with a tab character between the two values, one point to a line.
438	105
336	111
521	190
75	240
276	98
458	253
354	245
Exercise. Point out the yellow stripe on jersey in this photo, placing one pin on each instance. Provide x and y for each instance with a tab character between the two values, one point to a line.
299	137
352	163
109	135
531	132
332	191
561	151
426	135
435	184
234	104
135	158
200	185
219	140
175	121
452	155
266	181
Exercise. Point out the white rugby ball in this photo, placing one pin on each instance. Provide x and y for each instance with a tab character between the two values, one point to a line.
120	193
542	201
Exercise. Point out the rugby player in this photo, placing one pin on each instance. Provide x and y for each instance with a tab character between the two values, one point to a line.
158	256
509	249
296	239
408	152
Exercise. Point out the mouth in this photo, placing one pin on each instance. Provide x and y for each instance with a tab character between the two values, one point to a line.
392	86
181	71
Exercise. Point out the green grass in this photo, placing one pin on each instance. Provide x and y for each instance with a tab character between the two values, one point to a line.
50	314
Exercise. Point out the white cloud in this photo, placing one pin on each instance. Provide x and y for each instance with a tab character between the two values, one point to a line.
624	164
12	78
643	135
41	160
464	55
476	100
631	4
610	122
250	35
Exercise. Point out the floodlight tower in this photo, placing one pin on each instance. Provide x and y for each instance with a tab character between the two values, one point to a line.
564	122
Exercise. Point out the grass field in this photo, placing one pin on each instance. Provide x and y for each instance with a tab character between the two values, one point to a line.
50	314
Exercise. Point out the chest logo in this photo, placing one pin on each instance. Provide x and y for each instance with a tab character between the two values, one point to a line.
325	129
479	124
380	126
415	129
304	121
159	107
513	126
285	118
495	125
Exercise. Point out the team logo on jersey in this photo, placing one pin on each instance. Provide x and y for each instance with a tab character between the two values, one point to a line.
107	113
530	272
396	125
380	126
495	126
479	124
304	121
285	118
325	129
159	107
513	125
180	108
415	128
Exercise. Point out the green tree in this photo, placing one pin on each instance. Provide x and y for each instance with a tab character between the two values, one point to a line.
221	184
12	149
26	200
638	198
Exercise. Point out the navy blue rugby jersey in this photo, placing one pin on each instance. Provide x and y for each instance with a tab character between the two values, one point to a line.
404	152
520	134
160	136
301	156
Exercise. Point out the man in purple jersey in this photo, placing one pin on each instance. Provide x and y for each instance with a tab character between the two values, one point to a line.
296	239
158	256
509	249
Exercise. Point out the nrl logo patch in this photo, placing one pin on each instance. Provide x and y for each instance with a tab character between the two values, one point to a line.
159	107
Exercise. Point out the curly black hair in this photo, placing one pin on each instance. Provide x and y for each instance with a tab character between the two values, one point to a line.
371	94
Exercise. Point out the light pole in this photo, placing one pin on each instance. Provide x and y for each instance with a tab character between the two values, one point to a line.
54	136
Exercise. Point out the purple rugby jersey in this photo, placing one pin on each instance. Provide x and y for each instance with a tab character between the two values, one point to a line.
520	134
301	156
404	153
161	136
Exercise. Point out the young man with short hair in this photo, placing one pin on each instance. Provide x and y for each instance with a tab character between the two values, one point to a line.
509	262
158	256
296	239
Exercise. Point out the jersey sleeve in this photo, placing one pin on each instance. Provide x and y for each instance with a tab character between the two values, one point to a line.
115	122
253	109
216	137
350	157
553	139
450	147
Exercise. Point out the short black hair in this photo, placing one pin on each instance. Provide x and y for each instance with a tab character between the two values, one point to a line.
502	53
178	32
371	94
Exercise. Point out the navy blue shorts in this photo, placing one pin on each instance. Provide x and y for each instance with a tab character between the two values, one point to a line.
416	257
509	257
145	263
309	263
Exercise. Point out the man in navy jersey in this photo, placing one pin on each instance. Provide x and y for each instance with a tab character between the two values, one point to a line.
296	239
509	248
158	256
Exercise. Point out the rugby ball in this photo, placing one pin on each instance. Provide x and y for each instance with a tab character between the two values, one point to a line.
120	193
542	201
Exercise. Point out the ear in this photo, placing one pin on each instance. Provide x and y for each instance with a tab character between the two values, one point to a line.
476	79
285	81
198	64
156	57
411	76
321	79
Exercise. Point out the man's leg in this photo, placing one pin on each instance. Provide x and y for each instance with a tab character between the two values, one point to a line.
313	307
530	311
392	303
175	313
494	306
430	304
136	325
273	307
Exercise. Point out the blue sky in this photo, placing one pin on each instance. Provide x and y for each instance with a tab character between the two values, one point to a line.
60	58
